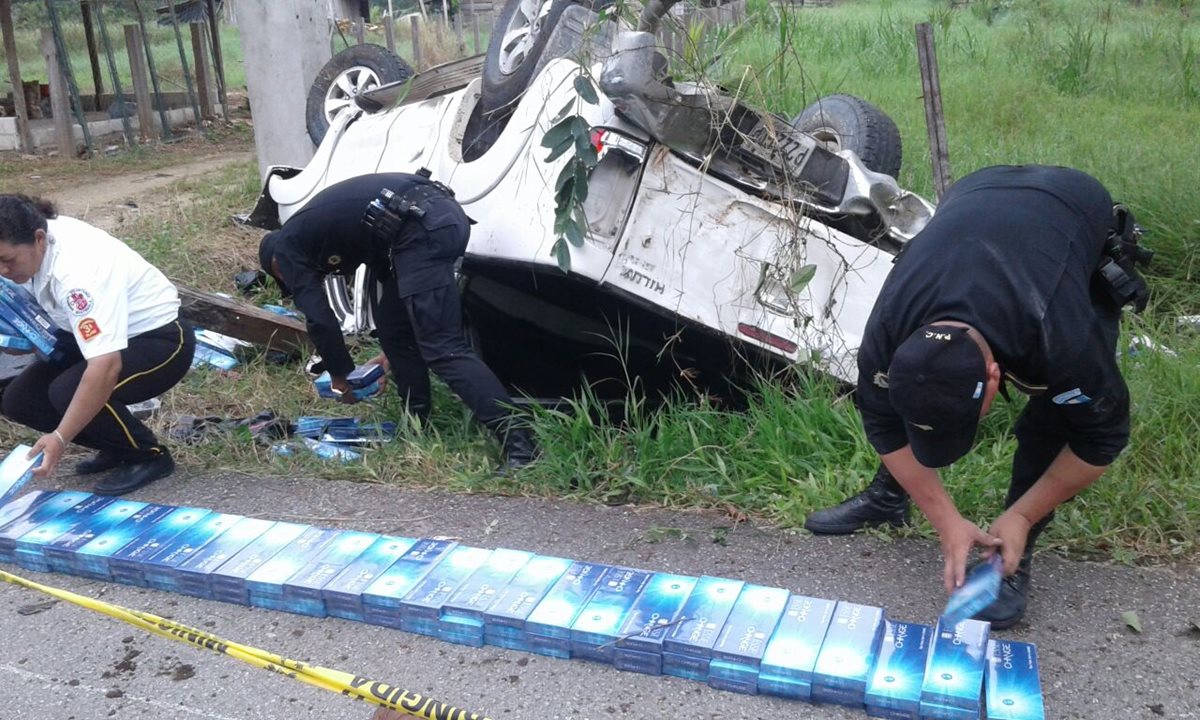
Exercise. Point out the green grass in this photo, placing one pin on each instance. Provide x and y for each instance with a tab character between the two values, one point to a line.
1108	87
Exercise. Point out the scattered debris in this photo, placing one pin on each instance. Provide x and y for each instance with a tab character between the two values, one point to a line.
1130	618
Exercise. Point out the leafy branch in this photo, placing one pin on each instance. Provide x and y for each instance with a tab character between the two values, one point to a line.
571	132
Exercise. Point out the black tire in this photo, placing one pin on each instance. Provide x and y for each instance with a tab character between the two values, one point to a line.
360	67
846	122
516	47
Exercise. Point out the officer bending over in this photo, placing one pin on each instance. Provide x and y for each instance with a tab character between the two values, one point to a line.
410	231
1017	279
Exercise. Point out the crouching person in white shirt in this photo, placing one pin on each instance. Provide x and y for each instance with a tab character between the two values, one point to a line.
129	344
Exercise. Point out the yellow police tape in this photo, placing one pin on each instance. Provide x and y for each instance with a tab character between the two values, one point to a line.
353	686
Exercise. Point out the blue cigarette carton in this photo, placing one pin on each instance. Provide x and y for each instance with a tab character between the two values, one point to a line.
687	647
595	631
16	470
462	615
60	554
92	559
192	575
41	508
302	591
848	654
787	664
159	569
13	509
954	671
22	311
639	640
743	640
30	548
381	600
421	608
548	626
894	690
1012	688
364	379
228	582
343	594
127	565
264	586
504	620
12	339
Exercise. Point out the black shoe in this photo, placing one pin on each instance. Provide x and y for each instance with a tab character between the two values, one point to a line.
134	475
1009	608
516	442
884	502
98	463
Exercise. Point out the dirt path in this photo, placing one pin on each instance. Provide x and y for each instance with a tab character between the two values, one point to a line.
113	201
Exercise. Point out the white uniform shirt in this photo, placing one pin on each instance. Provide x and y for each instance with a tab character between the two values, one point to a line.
96	286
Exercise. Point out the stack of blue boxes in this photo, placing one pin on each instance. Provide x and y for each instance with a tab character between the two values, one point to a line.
733	635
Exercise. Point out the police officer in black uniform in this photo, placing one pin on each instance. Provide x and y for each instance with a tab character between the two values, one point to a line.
409	230
1018	280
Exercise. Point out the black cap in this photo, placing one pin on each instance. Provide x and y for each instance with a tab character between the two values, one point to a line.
266	254
936	383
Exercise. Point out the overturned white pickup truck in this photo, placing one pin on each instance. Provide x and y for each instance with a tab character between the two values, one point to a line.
718	237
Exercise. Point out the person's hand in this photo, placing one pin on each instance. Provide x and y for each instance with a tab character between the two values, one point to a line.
382	361
52	447
1012	529
958	537
342	388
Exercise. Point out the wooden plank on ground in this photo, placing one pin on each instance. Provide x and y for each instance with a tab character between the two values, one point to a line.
242	321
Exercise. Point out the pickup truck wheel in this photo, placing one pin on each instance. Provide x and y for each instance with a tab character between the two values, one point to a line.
846	122
354	70
517	44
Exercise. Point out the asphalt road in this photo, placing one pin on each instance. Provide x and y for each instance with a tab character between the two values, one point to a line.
61	662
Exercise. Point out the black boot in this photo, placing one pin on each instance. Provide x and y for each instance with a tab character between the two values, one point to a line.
139	473
883	502
1009	608
516	443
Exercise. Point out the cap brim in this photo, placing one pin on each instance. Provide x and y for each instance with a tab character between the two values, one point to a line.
939	449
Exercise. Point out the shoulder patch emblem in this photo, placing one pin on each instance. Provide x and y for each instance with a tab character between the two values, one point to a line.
1071	397
79	301
88	329
880	379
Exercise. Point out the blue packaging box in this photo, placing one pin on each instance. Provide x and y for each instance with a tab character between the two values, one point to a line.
548	626
228	582
594	632
421	608
22	506
381	600
1013	690
159	569
364	379
787	664
516	600
330	451
687	647
954	670
264	586
21	310
212	356
894	690
30	547
92	559
742	641
639	640
462	614
302	591
343	594
60	554
192	575
42	508
11	338
16	470
128	564
848	654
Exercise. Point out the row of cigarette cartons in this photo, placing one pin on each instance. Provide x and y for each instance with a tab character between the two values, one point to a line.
24	325
733	635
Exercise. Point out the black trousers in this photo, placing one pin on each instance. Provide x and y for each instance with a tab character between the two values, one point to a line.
153	363
422	330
